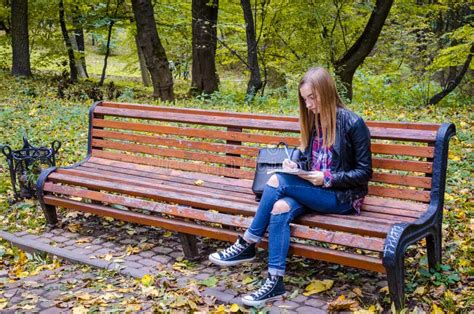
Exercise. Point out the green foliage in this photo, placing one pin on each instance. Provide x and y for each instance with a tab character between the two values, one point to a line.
440	276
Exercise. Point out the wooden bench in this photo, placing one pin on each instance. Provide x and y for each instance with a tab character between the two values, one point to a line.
191	171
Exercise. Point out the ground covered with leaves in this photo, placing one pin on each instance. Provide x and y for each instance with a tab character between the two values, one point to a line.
47	108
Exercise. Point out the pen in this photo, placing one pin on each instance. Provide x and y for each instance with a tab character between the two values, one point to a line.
287	153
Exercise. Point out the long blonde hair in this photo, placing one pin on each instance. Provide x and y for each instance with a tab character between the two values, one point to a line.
322	83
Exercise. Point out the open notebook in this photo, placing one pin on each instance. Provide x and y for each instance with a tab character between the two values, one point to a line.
290	171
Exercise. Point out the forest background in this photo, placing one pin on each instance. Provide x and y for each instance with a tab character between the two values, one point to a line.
393	60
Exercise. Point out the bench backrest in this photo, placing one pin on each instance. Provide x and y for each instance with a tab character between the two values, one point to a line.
406	156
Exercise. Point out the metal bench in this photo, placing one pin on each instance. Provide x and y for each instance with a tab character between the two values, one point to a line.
191	171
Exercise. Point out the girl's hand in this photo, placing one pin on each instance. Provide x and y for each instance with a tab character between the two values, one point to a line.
288	164
315	177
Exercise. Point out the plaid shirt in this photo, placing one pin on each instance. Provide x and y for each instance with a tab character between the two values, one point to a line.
321	158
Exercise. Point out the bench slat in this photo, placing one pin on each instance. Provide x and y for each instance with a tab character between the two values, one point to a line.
200	119
344	258
406	165
346	224
304	232
160	185
205	112
391	211
386	124
180	143
174	164
389	217
403	134
177	153
396	204
170	180
199	133
406	150
153	193
406	194
165	179
243	185
406	180
405	125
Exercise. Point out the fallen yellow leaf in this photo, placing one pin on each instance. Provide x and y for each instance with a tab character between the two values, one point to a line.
80	309
83	296
436	310
83	240
247	280
74	227
199	182
341	303
234	308
108	257
317	286
420	290
147	280
220	309
3	303
357	291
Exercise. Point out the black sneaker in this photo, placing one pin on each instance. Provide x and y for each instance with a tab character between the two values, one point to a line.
273	289
239	252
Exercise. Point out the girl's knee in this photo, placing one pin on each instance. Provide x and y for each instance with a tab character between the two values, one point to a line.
280	207
273	181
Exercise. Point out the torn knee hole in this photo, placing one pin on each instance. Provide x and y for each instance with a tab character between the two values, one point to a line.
273	181
280	207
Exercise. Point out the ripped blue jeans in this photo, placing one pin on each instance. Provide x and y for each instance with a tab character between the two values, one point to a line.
301	196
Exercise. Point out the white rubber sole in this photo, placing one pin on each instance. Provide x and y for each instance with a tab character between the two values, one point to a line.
230	263
258	304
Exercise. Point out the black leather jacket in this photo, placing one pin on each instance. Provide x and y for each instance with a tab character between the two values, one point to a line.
351	165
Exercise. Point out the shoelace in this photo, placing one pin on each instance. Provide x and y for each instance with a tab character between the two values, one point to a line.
264	289
234	249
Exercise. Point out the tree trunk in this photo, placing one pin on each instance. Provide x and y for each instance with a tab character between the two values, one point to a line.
107	53
67	40
452	84
141	60
153	50
255	82
79	45
20	38
204	21
346	66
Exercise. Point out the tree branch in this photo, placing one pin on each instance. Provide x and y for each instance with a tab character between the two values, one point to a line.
232	51
451	85
366	42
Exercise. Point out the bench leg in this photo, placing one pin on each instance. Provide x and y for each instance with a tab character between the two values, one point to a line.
433	247
396	281
189	244
50	214
48	210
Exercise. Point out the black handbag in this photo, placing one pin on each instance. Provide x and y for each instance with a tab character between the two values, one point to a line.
271	158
